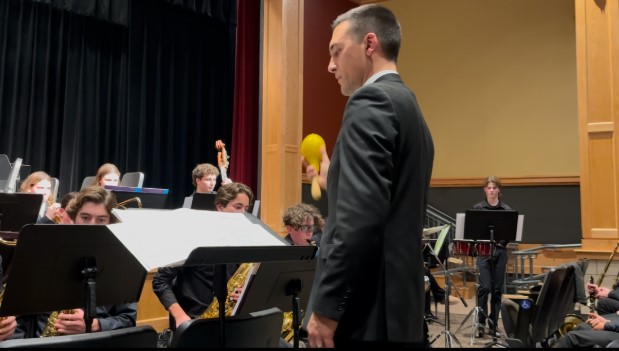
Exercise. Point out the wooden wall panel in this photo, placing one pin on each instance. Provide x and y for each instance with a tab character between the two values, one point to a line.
597	51
282	116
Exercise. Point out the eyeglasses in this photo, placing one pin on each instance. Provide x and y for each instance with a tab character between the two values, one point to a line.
305	228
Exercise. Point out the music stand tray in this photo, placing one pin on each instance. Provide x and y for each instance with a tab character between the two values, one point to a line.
490	225
219	256
270	285
49	267
150	197
18	209
203	202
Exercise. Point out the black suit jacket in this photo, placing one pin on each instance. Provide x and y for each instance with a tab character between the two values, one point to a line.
370	270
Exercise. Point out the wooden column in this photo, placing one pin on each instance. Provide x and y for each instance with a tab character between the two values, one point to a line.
282	106
597	50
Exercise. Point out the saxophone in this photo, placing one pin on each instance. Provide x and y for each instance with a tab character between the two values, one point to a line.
238	279
50	329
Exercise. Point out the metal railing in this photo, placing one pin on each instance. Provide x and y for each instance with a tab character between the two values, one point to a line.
528	278
435	218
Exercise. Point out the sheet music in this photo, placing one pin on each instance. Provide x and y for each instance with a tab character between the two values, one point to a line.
250	276
519	229
166	237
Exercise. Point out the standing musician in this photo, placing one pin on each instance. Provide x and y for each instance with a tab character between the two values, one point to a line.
490	283
92	205
186	292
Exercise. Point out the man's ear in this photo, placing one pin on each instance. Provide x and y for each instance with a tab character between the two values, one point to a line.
370	41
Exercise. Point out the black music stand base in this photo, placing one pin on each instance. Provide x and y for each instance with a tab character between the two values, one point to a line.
449	337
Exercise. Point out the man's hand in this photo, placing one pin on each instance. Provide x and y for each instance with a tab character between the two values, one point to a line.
324	168
73	323
596	291
320	331
7	327
178	313
596	321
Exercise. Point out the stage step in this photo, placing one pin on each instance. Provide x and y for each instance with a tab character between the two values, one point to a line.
467	289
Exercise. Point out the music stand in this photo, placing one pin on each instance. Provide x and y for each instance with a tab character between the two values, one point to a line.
203	202
149	197
220	256
18	209
489	225
281	285
79	266
448	284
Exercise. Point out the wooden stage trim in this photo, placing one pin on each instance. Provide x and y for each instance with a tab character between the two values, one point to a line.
150	309
506	181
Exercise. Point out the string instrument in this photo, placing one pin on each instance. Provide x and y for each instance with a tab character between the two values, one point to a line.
222	159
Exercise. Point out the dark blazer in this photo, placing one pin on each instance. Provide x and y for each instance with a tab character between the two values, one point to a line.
370	271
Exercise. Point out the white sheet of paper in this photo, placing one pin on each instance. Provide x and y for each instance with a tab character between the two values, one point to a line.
460	226
166	237
519	229
250	276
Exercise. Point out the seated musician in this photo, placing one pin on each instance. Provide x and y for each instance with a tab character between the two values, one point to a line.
39	183
597	332
607	299
58	214
7	324
92	205
301	222
204	178
107	174
186	292
600	328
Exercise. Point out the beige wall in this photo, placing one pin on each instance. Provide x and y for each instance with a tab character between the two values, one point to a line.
496	81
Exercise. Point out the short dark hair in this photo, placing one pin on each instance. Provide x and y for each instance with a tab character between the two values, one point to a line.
94	194
228	192
375	19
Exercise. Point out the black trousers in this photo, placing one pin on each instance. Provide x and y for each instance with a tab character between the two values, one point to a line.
606	305
491	281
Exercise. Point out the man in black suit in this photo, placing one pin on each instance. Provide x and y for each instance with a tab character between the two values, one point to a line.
369	286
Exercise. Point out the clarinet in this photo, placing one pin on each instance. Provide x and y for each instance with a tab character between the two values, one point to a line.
591	303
